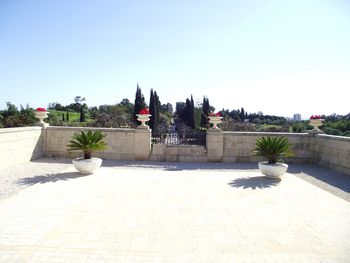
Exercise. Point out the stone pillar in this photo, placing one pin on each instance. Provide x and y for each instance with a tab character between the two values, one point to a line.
142	143
215	145
44	140
314	147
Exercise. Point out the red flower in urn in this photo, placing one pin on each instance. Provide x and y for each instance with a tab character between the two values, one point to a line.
215	114
40	109
315	117
144	111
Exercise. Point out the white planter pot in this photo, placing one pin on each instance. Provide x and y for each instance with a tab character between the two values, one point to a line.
87	166
272	170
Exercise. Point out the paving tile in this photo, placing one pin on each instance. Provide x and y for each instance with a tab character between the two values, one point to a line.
143	214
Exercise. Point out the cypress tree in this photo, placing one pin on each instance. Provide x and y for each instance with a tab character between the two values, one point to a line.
191	115
67	117
156	110
205	112
152	112
62	116
186	115
82	115
242	114
139	101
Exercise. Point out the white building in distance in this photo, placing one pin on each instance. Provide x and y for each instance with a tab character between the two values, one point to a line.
296	117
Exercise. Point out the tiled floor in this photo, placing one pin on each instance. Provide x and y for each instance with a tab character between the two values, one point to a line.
171	214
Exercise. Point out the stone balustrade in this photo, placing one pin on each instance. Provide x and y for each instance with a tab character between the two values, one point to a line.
18	145
331	152
238	146
122	144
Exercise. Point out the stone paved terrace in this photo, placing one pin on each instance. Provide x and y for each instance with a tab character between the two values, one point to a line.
171	212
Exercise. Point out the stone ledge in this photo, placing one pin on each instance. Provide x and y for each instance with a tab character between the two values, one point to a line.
332	137
267	134
90	128
21	129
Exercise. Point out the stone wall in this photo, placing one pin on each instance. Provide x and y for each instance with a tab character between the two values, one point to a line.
332	152
238	146
20	145
123	144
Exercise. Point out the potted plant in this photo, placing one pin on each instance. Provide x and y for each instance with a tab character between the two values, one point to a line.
274	149
87	142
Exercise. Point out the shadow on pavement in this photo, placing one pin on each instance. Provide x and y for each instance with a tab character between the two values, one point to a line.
254	182
168	166
50	178
316	175
179	166
313	173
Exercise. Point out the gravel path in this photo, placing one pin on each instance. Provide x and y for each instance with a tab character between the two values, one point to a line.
16	178
43	170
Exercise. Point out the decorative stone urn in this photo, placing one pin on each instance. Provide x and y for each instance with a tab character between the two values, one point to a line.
41	115
143	118
215	120
316	123
273	170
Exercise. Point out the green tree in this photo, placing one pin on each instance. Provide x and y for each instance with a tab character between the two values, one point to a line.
152	109
11	110
139	101
82	107
347	134
192	122
1	120
83	112
155	111
197	116
166	109
163	124
11	116
113	116
185	113
332	131
205	113
242	114
56	106
27	116
127	104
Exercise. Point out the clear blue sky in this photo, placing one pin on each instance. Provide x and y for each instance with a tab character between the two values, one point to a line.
278	57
